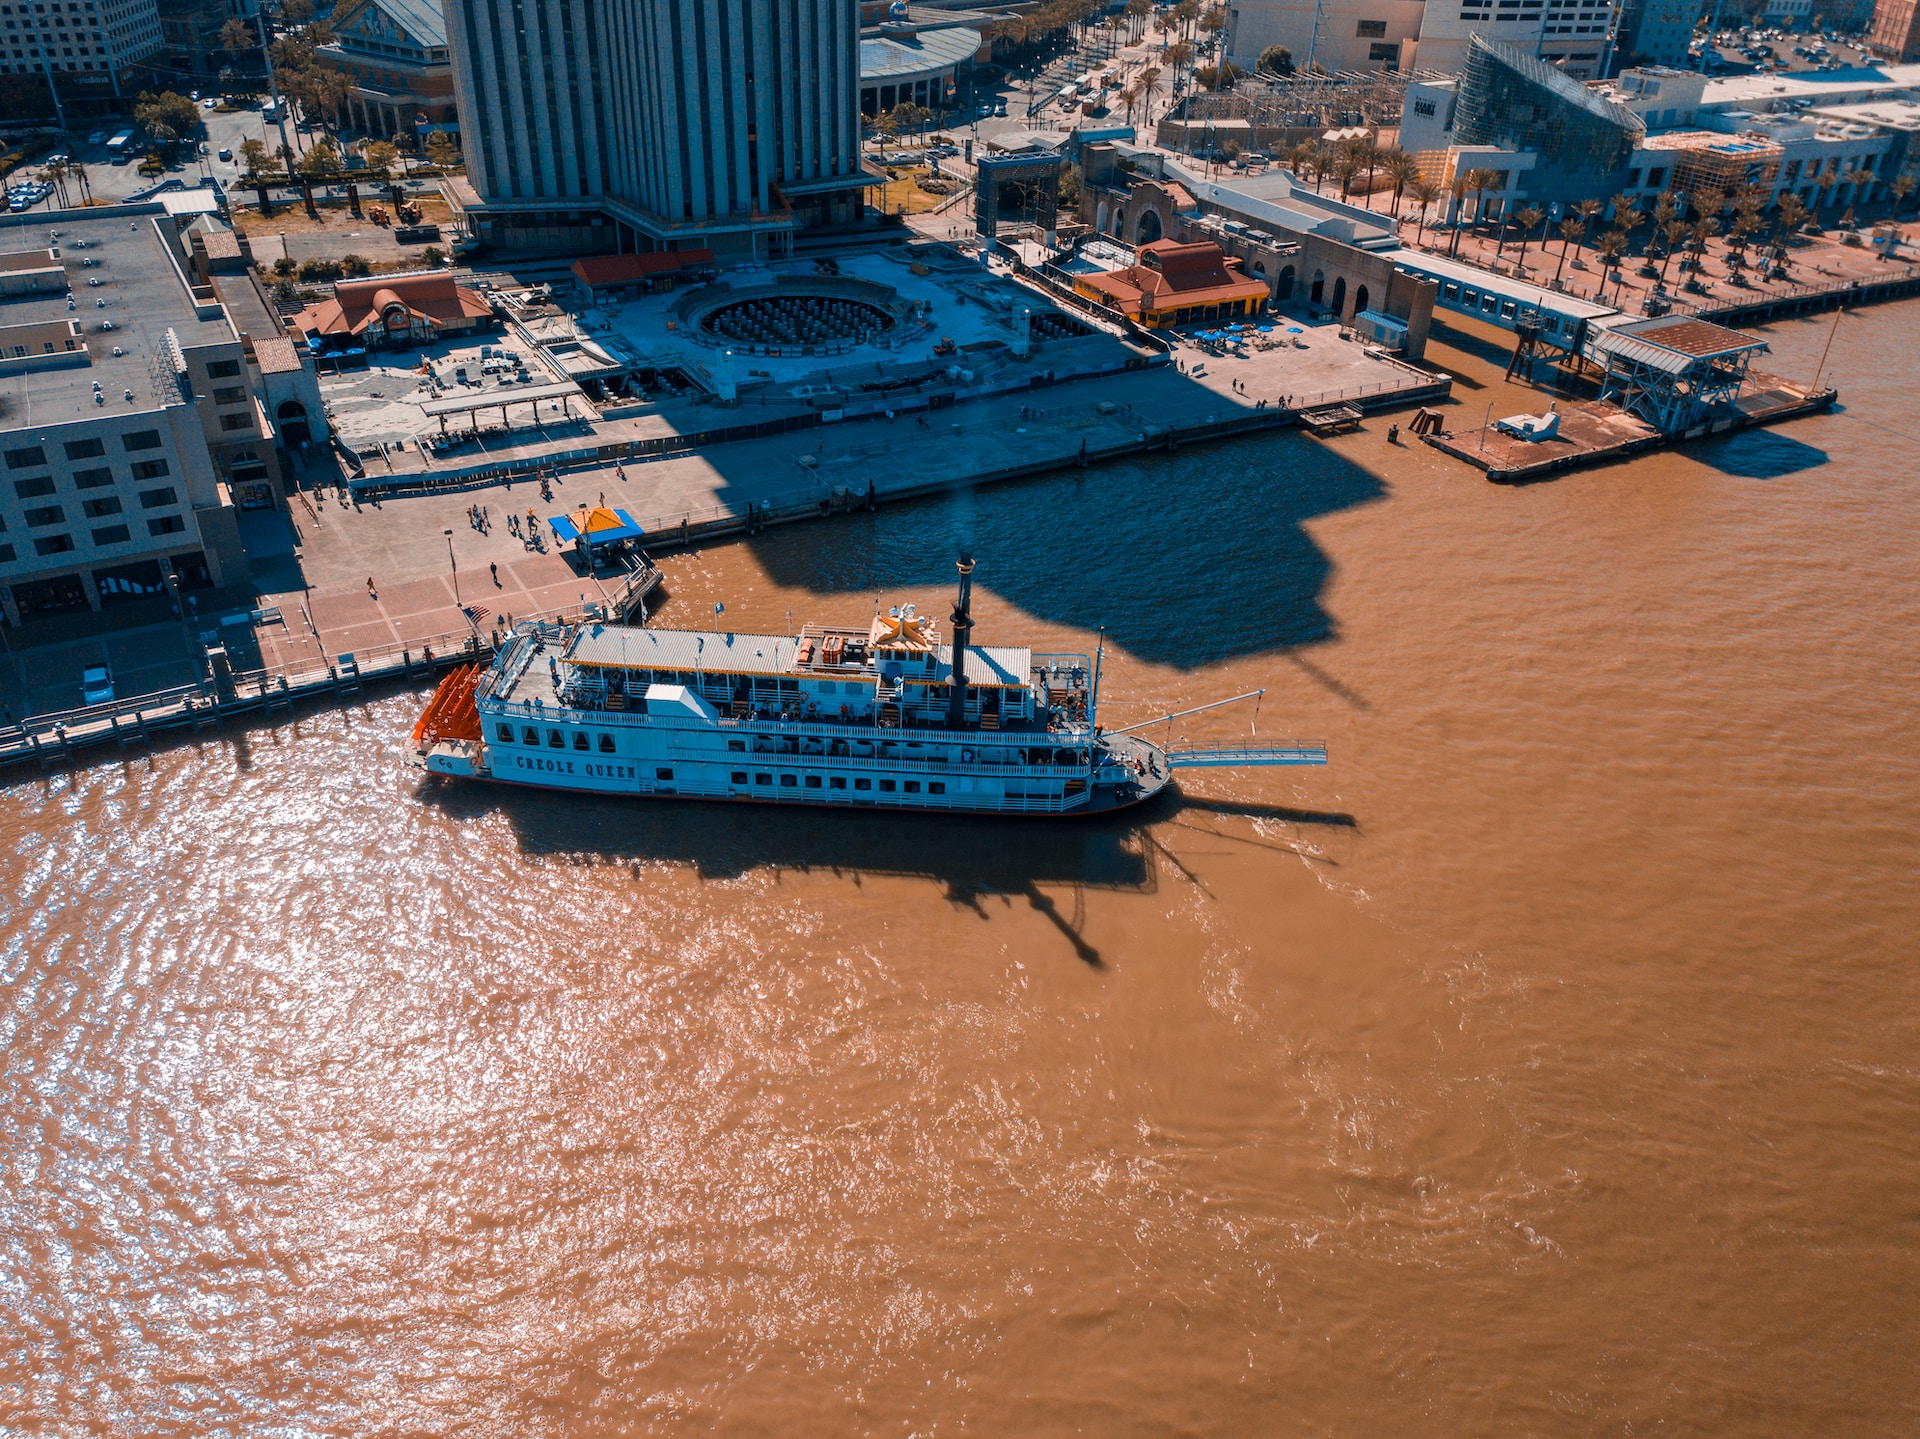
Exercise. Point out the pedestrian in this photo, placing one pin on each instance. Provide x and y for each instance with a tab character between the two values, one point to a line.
494	570
1393	434
372	593
485	518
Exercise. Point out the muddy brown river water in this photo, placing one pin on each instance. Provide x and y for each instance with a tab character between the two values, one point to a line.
1544	1065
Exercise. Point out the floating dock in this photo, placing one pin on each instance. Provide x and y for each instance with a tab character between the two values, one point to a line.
1597	432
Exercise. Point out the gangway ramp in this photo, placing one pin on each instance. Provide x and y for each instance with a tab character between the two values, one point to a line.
1238	756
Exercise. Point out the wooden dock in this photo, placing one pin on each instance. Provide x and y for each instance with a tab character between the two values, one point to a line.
1597	432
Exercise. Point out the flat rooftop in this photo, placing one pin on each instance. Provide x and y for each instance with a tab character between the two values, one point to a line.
139	293
1439	267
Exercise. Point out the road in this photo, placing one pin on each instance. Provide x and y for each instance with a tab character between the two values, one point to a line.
110	182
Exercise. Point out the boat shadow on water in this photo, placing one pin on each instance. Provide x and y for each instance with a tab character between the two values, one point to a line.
972	857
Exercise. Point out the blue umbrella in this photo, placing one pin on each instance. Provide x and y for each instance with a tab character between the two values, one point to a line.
1295	330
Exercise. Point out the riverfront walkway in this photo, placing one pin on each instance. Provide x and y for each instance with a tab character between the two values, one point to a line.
312	576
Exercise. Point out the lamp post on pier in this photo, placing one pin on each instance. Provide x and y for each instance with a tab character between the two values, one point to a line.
454	565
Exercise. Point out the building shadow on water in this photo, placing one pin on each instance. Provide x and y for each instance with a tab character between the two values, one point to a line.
1187	559
1760	454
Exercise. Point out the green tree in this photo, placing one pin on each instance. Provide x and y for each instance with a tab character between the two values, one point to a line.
442	151
167	117
1276	60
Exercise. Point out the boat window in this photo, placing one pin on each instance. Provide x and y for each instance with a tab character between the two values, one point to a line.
739	776
763	779
663	773
606	744
813	781
913	786
788	781
738	746
530	735
580	739
555	740
506	734
886	786
863	784
936	786
837	782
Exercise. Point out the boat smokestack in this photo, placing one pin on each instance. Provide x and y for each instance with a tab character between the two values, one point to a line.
962	631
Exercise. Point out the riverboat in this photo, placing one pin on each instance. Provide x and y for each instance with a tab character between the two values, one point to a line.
885	715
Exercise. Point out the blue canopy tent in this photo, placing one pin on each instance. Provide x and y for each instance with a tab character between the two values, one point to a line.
591	527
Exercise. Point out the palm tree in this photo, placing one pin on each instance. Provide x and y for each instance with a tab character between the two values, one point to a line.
1346	168
1457	191
1704	229
1902	187
1425	192
1527	219
1610	247
1308	155
1403	169
1672	232
1369	153
1481	181
1793	214
56	174
1626	212
1572	228
1586	210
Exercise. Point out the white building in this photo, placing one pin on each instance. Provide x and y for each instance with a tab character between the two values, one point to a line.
1574	35
81	44
616	125
1334	34
142	390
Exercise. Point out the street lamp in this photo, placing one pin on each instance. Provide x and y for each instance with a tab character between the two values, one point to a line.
455	566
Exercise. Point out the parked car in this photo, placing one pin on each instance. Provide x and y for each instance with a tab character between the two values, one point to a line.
98	137
1000	108
96	685
226	152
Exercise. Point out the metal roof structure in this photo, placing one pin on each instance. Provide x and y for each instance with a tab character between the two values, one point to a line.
889	60
726	652
494	399
1675	344
1674	370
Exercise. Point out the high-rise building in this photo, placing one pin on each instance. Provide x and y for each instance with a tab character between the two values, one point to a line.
1574	36
85	48
1336	35
196	47
1656	32
1896	30
652	124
